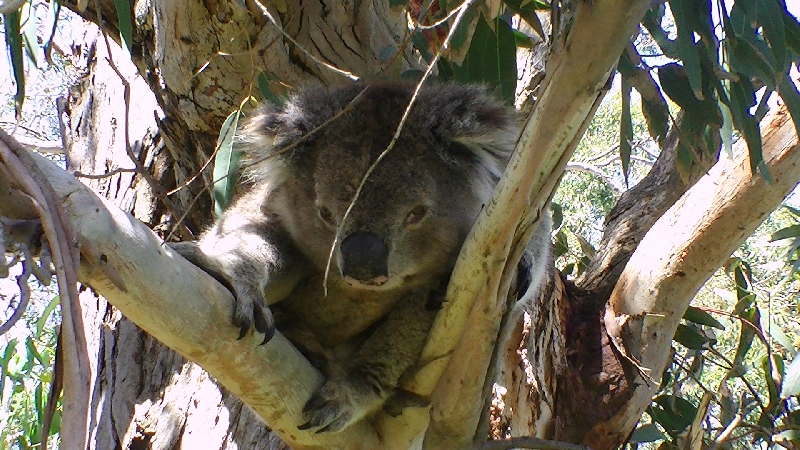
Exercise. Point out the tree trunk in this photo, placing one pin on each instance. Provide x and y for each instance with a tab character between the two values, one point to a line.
200	59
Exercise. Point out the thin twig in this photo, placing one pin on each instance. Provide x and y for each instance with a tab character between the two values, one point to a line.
79	174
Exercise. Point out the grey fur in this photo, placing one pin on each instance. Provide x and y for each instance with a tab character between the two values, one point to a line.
397	247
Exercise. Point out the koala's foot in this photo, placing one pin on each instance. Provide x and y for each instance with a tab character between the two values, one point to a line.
337	405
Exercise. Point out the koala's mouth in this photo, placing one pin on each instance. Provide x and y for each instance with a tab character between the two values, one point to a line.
375	282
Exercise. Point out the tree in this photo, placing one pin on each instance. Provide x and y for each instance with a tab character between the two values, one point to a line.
602	340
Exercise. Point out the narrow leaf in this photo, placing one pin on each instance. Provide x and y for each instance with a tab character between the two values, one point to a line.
491	58
647	433
785	233
30	41
125	22
788	92
698	316
770	16
226	164
791	380
746	335
690	338
682	12
11	23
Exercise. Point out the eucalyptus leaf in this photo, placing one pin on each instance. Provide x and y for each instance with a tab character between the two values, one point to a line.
625	129
11	23
791	379
125	23
226	164
647	433
698	316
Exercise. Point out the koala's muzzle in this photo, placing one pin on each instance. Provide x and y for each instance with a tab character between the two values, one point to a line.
364	259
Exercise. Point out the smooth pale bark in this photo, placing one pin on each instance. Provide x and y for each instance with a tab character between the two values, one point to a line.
189	311
680	253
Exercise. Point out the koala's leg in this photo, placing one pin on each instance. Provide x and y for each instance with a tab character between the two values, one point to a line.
376	368
253	266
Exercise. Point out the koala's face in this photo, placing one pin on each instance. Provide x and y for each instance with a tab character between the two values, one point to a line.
411	217
406	225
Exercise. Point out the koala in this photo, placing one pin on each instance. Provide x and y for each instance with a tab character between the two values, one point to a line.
363	317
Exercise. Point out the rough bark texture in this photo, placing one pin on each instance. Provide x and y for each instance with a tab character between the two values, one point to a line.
144	394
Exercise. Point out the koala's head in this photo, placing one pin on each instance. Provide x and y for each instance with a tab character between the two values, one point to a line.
419	201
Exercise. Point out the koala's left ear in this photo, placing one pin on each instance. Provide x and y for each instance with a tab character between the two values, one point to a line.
471	117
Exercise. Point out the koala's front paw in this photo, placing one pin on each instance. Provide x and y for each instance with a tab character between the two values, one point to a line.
250	308
336	405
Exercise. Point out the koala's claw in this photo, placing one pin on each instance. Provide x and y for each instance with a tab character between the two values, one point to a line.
248	312
329	410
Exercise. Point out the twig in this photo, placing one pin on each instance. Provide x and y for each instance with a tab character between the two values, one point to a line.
79	174
24	290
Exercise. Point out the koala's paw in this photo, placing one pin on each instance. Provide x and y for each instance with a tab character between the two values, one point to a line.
335	406
250	310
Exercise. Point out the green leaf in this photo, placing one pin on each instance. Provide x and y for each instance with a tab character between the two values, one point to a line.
48	310
742	99
656	115
698	316
491	59
270	88
672	412
746	334
791	97
11	23
396	3
557	214
625	129
785	233
682	11
420	43
560	244
652	21
586	247
726	132
647	433
770	379
690	338
30	41
675	83
792	30
791	380
770	16
125	22
226	164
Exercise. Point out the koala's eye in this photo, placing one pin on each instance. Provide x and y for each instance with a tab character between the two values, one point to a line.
416	215
326	215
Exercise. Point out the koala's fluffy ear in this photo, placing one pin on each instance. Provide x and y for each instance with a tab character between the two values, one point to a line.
469	116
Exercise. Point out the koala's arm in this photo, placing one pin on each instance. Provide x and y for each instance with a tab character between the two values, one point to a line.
253	257
375	370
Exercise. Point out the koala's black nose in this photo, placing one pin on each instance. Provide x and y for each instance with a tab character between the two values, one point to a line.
365	258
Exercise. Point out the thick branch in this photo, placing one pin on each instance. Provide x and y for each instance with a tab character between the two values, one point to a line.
635	213
581	66
189	311
678	255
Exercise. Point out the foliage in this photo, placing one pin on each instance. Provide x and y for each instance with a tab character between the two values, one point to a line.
26	371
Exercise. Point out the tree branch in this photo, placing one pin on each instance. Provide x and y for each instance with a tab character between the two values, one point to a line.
189	311
681	251
486	265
